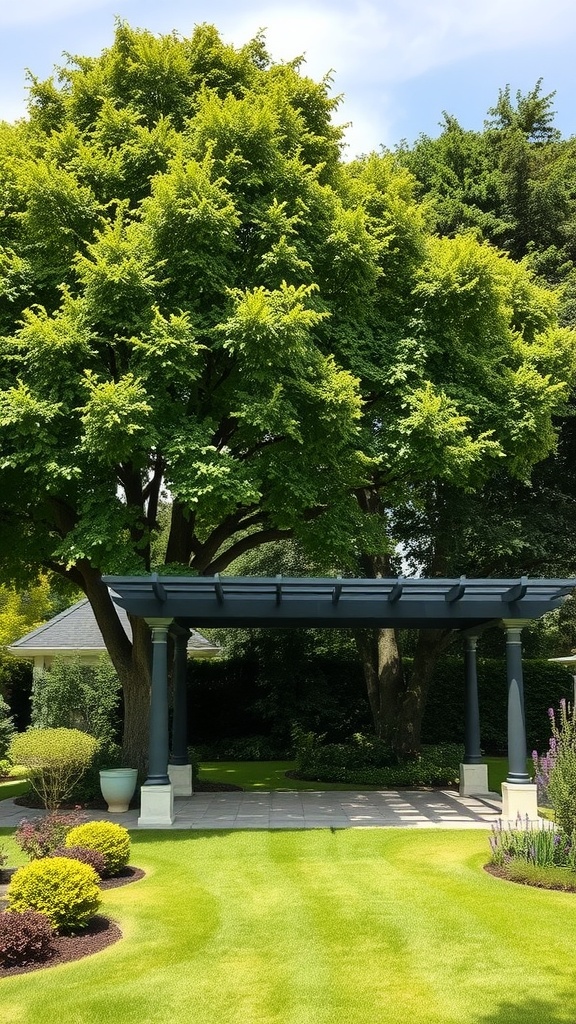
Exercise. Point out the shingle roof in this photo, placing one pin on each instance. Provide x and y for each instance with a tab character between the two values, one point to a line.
76	629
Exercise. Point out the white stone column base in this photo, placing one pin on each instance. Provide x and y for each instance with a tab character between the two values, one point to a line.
519	800
474	780
180	776
156	807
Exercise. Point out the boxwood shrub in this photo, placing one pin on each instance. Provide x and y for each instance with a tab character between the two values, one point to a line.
66	891
109	838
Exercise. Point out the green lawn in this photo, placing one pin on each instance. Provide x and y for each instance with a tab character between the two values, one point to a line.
355	926
498	770
271	775
265	775
15	787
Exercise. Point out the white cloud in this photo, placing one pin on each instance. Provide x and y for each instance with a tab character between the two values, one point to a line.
34	12
399	39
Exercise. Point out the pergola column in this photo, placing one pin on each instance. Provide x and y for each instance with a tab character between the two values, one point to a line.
473	771
180	769
157	797
519	793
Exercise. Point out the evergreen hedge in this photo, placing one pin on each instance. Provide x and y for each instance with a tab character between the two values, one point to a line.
234	700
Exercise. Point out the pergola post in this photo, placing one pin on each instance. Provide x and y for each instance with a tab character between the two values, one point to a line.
473	771
157	797
519	793
179	768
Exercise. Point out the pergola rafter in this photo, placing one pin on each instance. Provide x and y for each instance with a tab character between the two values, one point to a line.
400	602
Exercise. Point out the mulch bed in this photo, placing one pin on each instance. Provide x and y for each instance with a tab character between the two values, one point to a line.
33	802
499	871
99	934
124	877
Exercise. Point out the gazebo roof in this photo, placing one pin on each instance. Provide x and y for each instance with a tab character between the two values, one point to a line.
463	604
75	631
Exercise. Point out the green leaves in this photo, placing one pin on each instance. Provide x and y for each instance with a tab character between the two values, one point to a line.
271	328
116	419
203	305
440	444
25	421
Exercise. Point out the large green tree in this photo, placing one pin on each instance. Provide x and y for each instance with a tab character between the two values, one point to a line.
513	185
173	239
203	307
463	367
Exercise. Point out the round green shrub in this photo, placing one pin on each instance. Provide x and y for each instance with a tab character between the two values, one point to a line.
55	758
112	840
66	891
24	938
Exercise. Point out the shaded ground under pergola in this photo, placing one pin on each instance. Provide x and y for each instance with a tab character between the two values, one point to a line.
173	605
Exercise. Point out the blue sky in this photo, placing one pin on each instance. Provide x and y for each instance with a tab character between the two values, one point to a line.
399	63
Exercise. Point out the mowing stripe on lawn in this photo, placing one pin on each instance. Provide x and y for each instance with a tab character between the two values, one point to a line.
371	926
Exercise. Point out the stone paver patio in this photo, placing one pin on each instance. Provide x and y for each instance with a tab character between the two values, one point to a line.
307	809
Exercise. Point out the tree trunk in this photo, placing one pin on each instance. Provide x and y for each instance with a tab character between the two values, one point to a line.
132	661
136	689
384	675
378	648
430	645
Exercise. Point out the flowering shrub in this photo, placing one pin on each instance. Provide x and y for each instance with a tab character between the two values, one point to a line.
556	770
85	855
539	844
40	836
547	845
112	840
66	891
24	937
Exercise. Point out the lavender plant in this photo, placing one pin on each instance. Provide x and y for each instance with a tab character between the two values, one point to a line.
556	770
539	844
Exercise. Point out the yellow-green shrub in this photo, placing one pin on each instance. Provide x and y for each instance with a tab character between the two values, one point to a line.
65	890
111	839
55	758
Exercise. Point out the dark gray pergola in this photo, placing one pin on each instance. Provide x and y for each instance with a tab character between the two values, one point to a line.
172	605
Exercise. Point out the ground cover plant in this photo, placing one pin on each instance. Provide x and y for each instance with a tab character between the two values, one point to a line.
317	926
368	760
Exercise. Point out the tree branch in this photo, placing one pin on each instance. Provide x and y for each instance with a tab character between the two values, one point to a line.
253	540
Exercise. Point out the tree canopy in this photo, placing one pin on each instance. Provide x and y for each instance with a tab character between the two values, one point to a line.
203	308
